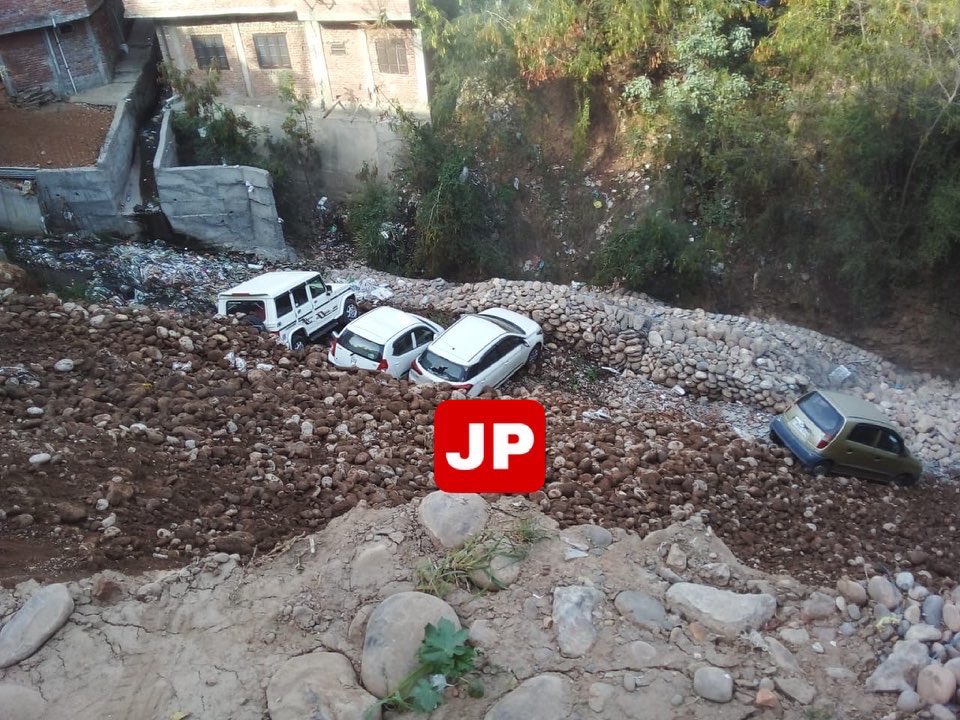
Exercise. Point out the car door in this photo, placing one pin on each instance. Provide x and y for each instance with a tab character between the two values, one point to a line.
482	372
402	352
500	368
513	353
859	449
303	307
888	457
324	306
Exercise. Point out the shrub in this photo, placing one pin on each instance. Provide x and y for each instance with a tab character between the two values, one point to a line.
657	256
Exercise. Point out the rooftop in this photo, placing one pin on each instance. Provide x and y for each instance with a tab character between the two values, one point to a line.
382	323
272	283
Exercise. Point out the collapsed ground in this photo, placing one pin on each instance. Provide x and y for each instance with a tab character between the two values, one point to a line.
154	444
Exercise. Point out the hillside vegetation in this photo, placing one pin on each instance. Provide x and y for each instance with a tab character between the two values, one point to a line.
809	149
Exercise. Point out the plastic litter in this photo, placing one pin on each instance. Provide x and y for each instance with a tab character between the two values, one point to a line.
600	414
839	374
237	362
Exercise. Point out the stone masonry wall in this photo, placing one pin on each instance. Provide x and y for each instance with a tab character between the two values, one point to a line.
706	354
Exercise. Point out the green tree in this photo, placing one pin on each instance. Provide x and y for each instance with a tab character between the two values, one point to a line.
208	132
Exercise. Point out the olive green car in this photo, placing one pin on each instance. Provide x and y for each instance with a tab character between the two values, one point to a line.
831	432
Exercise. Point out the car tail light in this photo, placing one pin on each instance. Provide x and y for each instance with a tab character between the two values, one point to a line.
382	365
333	345
466	387
824	441
415	366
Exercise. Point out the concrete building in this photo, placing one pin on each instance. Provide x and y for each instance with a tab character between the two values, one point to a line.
357	53
62	45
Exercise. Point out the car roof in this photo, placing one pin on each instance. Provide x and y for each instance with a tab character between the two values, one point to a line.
382	323
272	283
467	338
854	407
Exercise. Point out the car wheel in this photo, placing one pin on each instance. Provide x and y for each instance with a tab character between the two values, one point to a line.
350	311
906	480
534	357
775	439
822	468
298	342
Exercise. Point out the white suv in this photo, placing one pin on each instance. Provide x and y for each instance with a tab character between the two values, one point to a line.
293	306
383	339
480	351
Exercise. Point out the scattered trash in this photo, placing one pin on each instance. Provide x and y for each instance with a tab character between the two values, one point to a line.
237	362
182	366
368	288
839	374
264	366
679	390
600	414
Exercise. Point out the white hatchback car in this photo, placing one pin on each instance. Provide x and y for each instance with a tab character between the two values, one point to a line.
480	351
383	339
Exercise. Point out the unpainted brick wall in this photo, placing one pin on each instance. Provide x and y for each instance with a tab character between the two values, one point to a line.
27	59
349	72
21	14
90	56
264	82
393	87
107	36
231	79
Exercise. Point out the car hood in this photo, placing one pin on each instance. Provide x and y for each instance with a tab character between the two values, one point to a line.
338	288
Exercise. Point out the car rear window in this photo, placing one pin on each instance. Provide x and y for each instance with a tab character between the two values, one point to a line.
441	367
359	345
822	413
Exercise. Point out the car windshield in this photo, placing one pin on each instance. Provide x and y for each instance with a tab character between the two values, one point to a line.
823	414
359	345
441	367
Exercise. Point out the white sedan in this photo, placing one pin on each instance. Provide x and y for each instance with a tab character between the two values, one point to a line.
480	351
383	339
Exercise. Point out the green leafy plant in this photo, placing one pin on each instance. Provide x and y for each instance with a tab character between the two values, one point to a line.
445	659
207	131
657	256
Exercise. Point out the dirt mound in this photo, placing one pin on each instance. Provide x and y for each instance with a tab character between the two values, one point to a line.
161	437
213	639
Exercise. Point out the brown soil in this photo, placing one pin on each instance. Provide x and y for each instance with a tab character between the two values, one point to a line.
57	135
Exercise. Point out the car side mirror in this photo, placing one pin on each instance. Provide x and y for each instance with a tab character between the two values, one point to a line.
335	334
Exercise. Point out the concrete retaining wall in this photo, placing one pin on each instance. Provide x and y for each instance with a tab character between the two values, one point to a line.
346	141
226	207
19	213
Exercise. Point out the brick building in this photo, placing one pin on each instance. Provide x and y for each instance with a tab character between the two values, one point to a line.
62	45
356	52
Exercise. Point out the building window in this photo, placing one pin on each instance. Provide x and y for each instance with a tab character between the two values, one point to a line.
210	52
338	48
272	50
392	56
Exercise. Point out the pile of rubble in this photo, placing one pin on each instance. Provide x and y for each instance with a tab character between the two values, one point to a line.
141	435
